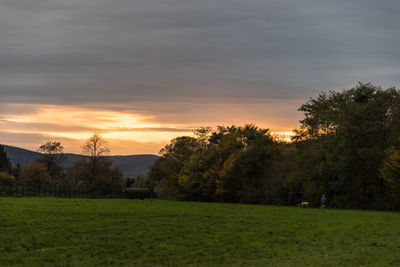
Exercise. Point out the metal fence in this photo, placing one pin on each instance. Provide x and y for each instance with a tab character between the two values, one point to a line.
40	190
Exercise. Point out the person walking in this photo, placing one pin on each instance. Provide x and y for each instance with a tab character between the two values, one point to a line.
323	202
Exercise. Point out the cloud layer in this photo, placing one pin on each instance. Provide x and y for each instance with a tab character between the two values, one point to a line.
191	62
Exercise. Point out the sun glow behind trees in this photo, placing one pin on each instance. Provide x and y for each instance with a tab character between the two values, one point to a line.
128	131
74	124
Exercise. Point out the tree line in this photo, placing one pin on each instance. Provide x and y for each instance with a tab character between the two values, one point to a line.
347	147
95	170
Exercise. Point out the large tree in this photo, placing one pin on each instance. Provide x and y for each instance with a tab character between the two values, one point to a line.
96	147
164	175
96	169
342	143
52	157
5	164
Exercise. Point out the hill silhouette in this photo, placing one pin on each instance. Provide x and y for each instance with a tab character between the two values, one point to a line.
131	165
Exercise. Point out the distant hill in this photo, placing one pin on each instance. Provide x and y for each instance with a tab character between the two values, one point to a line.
131	166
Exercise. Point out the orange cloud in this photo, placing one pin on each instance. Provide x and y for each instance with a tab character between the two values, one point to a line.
145	130
73	125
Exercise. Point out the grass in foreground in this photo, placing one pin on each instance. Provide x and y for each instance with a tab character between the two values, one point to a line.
97	232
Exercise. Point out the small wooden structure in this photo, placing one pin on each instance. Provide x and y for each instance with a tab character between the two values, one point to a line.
140	193
303	204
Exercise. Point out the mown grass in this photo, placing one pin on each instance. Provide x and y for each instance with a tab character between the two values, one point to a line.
99	232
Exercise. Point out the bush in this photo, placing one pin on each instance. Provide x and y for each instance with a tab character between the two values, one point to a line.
35	173
6	178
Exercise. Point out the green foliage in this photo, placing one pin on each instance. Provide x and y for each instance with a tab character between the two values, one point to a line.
5	165
391	170
129	182
139	182
96	170
6	178
342	143
107	175
122	232
247	169
164	176
52	157
35	173
232	164
198	176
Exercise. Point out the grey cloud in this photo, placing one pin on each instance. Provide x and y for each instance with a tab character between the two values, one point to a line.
94	51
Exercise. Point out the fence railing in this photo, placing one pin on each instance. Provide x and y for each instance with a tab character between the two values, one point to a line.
82	191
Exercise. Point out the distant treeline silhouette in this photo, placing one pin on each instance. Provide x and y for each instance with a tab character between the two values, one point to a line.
347	147
93	175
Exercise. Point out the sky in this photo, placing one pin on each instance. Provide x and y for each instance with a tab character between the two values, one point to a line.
142	72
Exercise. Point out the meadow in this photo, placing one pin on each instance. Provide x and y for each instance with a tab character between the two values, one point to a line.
123	232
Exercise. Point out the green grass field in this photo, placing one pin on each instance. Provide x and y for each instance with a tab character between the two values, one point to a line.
98	232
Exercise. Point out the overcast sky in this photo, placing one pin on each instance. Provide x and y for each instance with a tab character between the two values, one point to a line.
180	64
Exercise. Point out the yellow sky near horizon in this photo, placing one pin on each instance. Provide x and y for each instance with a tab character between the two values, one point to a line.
127	131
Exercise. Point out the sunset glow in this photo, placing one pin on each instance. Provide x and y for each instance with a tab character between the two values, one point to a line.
128	132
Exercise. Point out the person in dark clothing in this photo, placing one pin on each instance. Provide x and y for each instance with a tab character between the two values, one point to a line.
323	202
